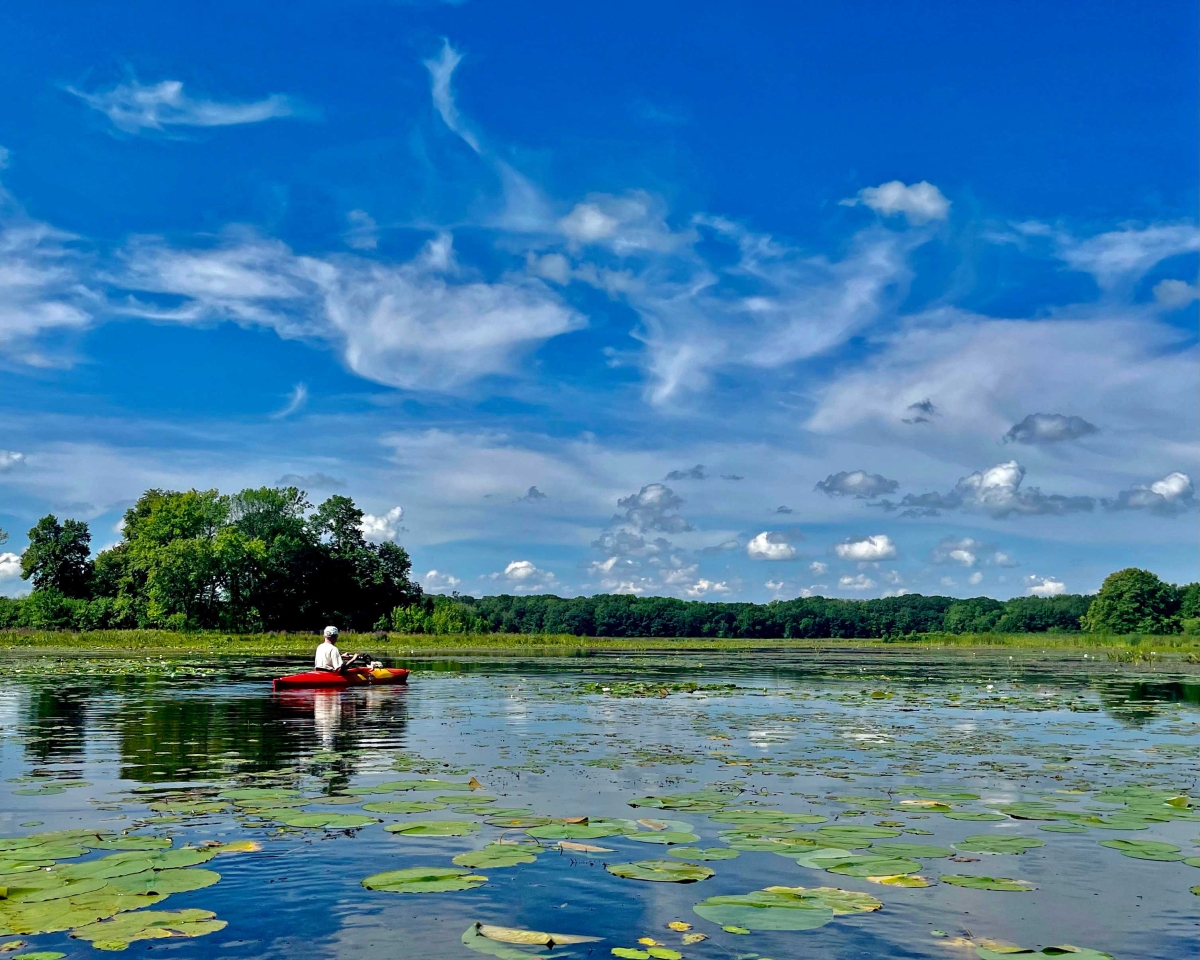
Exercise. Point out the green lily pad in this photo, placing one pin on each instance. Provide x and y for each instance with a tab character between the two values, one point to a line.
402	806
700	801
974	816
864	865
1056	827
1080	953
593	830
1145	849
854	836
1036	810
424	880
129	843
785	908
697	853
944	795
261	796
630	953
756	817
118	933
40	955
910	850
190	808
988	844
163	882
519	821
434	828
328	821
57	891
987	883
497	855
785	845
423	786
664	837
663	871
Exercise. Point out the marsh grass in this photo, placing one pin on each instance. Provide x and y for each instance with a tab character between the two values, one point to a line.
1135	648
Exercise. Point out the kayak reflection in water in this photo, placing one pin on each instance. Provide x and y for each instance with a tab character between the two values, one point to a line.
329	658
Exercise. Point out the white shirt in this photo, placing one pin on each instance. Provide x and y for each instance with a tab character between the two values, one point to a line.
328	657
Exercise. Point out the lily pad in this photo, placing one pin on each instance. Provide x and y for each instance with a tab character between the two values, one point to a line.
900	880
531	937
517	821
785	908
663	871
854	836
698	853
497	855
163	882
593	830
328	821
700	801
865	865
1004	884
988	844
424	880
434	828
1056	827
1145	849
118	933
910	850
403	806
755	817
664	837
974	816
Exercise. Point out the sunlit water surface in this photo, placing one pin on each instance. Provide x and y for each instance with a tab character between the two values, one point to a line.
846	736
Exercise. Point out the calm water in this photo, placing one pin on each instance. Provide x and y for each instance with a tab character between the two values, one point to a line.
847	737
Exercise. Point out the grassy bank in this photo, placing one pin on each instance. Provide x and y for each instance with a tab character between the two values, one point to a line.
302	644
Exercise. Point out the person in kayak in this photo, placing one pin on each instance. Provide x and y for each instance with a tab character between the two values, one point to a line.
329	658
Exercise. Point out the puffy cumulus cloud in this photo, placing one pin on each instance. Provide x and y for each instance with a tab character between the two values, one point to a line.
435	581
819	568
997	492
856	483
1168	497
1044	587
653	509
629	225
10	566
975	579
918	202
135	107
10	459
703	588
868	549
860	581
421	325
384	527
968	552
1049	428
771	546
523	576
692	473
1121	257
1174	294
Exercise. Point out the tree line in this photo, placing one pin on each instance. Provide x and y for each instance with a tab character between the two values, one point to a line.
261	559
267	559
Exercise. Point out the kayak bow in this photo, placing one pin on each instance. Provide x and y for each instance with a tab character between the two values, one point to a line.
354	677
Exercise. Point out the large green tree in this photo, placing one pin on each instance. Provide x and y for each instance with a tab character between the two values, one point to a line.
1133	601
59	557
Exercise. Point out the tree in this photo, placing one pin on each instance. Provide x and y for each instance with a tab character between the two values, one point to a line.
59	557
1133	601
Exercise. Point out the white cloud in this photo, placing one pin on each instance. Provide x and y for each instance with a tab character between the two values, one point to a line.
1171	495
441	71
702	588
418	325
819	568
133	107
964	552
363	232
1049	428
878	547
995	491
385	527
899	592
1120	257
437	582
918	202
948	582
522	576
10	566
856	483
770	546
628	225
859	581
774	585
975	579
653	509
1174	294
1044	587
295	402
10	459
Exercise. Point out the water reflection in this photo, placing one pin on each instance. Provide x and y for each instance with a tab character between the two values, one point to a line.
55	724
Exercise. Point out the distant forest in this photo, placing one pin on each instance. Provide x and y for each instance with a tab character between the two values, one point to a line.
266	559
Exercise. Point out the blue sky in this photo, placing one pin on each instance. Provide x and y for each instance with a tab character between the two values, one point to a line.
705	301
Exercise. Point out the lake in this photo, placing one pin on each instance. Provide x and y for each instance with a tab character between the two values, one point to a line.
897	804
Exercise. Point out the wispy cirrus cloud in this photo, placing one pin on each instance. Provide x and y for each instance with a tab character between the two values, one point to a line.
136	107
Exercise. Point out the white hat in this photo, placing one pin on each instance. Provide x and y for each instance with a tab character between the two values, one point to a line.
331	631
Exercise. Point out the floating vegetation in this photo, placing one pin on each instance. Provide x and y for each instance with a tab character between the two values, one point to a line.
661	871
424	880
120	932
988	844
433	828
1003	884
785	908
498	855
1145	849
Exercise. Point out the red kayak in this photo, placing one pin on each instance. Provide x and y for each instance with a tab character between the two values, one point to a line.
353	677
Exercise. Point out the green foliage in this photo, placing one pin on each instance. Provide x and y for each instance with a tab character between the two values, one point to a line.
439	616
59	557
190	560
1134	601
